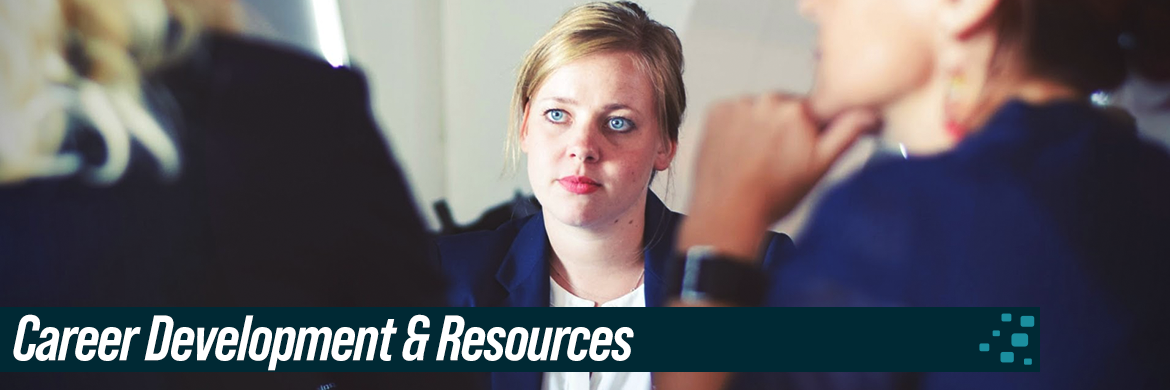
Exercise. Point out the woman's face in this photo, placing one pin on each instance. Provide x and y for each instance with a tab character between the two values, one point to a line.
870	52
592	137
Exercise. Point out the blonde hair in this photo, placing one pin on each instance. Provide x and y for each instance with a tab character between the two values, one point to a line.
85	57
602	27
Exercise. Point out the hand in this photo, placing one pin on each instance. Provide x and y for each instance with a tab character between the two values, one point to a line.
759	157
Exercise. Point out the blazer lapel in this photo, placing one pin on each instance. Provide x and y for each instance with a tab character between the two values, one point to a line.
524	274
524	271
659	238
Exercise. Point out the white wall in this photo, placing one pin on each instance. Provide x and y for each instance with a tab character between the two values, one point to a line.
289	22
398	45
1149	102
731	48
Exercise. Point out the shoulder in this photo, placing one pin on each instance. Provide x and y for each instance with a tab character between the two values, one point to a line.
475	249
262	61
858	247
665	226
777	247
266	88
892	206
471	260
881	192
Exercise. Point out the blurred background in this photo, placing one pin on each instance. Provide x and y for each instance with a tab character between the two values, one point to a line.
441	73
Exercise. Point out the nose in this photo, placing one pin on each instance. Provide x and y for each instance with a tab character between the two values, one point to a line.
583	142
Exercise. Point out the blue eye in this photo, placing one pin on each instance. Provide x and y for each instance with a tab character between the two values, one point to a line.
556	115
620	124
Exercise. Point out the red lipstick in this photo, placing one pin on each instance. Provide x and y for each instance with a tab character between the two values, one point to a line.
579	185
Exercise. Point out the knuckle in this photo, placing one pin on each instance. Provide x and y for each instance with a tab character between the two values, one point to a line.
791	109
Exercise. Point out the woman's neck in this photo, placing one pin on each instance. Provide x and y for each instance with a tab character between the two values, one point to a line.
918	120
602	261
1031	90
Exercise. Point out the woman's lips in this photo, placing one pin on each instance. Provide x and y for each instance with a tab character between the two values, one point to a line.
580	185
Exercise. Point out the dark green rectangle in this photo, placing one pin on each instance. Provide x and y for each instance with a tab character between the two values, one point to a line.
664	339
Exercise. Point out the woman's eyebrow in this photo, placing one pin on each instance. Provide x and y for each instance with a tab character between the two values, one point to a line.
558	99
607	108
618	106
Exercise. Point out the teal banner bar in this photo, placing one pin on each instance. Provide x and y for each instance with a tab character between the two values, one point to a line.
520	339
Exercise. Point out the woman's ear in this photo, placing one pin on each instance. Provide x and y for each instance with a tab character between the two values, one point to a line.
962	18
665	154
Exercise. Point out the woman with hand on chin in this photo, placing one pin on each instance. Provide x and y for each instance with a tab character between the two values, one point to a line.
596	109
1041	199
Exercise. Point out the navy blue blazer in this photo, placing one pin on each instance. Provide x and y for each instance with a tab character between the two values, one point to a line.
1055	206
509	267
288	197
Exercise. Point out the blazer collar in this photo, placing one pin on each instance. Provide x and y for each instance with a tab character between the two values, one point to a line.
658	237
524	271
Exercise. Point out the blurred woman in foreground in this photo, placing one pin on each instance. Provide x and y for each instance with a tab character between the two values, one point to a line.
148	160
1043	200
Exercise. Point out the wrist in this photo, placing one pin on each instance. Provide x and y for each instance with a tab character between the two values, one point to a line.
701	276
733	230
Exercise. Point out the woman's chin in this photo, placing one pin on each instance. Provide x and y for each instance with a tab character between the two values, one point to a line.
574	215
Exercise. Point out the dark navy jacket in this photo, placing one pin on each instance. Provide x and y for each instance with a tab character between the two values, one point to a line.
1055	206
509	267
288	197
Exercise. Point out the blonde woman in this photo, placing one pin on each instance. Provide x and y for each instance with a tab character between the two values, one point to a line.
200	170
596	109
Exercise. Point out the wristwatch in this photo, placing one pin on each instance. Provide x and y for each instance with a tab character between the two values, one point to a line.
703	274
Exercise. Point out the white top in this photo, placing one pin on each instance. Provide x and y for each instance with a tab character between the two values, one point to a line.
559	297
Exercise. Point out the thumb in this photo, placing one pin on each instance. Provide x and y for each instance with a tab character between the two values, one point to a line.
841	133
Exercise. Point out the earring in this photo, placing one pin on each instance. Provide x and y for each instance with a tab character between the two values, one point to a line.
951	106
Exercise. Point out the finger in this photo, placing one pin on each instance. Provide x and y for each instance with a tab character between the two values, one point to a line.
781	96
822	110
841	133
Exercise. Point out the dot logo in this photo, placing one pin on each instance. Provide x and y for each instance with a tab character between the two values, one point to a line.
1017	339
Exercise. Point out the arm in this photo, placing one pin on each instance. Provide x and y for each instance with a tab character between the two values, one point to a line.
762	155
